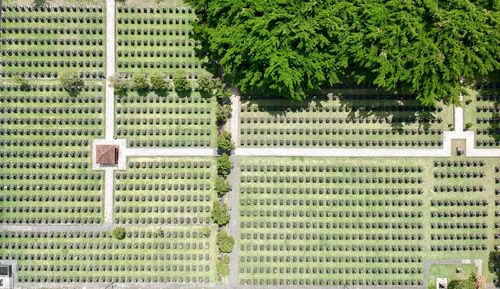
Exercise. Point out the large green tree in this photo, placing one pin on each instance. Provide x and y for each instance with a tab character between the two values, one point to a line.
292	48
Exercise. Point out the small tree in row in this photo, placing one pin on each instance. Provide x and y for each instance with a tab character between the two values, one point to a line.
224	142
220	213
223	165
222	186
225	242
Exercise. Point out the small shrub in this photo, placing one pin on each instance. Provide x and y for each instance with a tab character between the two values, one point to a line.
120	85
206	231
71	82
220	213
223	114
118	233
181	83
468	125
222	186
205	85
222	267
158	83
140	82
21	82
224	142
223	165
225	242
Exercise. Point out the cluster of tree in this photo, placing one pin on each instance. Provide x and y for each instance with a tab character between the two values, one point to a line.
156	83
293	48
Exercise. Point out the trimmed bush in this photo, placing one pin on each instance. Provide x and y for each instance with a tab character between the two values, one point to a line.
222	267
71	82
140	82
220	213
118	233
222	186
223	165
224	142
225	242
158	83
181	83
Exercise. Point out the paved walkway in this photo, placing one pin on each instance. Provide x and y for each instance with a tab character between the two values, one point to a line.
110	106
235	119
110	68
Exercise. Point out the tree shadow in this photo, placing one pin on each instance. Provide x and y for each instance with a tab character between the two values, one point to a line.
183	93
73	93
494	266
397	110
492	91
142	92
162	92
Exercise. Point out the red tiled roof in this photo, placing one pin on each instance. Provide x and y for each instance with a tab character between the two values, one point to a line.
107	154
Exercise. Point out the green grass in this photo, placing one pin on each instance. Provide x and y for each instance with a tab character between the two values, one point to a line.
85	64
44	178
345	122
268	197
450	272
166	121
186	197
143	256
178	51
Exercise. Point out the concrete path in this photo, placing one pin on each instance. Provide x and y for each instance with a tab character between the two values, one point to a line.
110	106
233	225
110	68
235	119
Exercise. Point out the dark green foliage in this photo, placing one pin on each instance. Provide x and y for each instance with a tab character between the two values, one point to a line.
222	186
120	85
181	83
118	233
206	85
222	267
158	83
223	113
225	242
223	165
220	214
224	142
140	82
71	82
494	265
293	48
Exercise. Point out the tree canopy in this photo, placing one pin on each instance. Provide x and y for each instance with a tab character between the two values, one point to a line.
292	48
